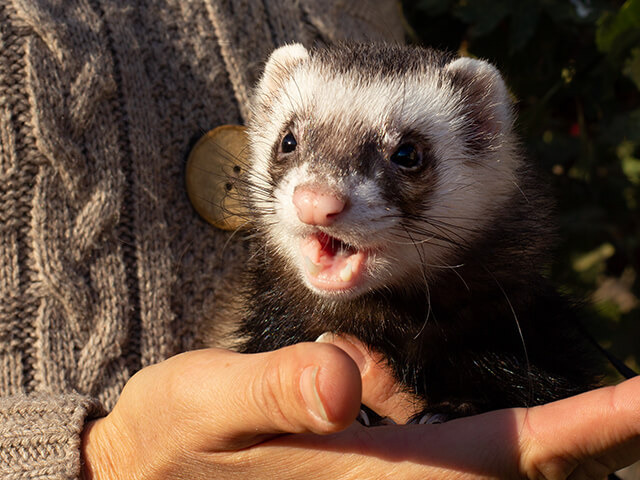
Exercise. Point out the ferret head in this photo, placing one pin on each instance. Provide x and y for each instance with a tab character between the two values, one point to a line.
376	166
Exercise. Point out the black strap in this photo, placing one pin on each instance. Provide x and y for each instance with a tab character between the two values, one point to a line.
619	365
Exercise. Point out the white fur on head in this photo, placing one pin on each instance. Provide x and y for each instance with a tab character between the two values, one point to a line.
280	63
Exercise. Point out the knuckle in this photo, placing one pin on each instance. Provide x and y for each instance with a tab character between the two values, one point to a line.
537	462
271	396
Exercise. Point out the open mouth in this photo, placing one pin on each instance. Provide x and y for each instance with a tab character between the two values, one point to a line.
331	264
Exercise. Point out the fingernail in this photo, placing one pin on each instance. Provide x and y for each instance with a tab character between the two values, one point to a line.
326	337
347	346
309	390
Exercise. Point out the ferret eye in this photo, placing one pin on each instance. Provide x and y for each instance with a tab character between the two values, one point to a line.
289	143
406	156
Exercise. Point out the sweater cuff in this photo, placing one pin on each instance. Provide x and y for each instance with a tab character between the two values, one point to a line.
40	435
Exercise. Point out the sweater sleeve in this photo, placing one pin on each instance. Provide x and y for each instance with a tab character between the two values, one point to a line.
40	435
104	266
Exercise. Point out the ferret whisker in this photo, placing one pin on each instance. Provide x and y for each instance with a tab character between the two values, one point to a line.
260	250
440	234
394	213
426	285
435	239
450	217
524	195
449	231
234	232
438	242
433	220
244	183
424	241
448	226
252	236
292	103
518	326
444	266
501	172
301	97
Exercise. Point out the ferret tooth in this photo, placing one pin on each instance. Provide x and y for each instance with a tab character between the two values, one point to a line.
346	273
312	268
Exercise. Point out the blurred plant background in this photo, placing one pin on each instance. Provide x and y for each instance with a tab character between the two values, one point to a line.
573	67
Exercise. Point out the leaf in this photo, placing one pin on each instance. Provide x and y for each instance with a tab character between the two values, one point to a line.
632	67
618	291
631	168
630	164
594	258
616	29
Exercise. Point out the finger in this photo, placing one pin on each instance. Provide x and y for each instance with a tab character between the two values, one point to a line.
587	436
237	399
469	448
380	390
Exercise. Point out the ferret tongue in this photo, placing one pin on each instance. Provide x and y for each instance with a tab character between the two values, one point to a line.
328	264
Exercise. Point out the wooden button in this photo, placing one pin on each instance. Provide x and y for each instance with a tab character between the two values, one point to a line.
213	169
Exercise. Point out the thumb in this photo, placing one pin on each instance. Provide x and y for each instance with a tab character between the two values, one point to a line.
245	398
209	401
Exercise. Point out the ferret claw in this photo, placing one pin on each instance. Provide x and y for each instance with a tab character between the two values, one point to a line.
433	418
363	418
429	419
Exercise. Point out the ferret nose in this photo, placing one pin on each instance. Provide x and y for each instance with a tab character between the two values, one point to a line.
315	207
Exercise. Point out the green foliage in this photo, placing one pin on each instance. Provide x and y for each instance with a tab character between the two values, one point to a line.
574	67
617	31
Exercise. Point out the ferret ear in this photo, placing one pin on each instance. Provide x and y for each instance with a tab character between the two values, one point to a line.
485	97
282	61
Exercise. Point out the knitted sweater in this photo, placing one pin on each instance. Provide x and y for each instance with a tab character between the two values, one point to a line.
104	266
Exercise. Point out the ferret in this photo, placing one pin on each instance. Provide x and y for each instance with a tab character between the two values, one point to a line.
390	201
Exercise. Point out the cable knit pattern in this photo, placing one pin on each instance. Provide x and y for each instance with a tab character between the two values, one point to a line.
77	195
104	266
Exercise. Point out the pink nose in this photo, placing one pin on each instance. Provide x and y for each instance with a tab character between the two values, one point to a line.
315	207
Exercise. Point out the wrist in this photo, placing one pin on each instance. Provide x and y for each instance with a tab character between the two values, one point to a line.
99	452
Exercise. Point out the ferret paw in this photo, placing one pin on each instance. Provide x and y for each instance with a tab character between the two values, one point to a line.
369	418
429	419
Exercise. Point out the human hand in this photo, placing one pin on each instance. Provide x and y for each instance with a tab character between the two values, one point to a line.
593	433
192	415
584	437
